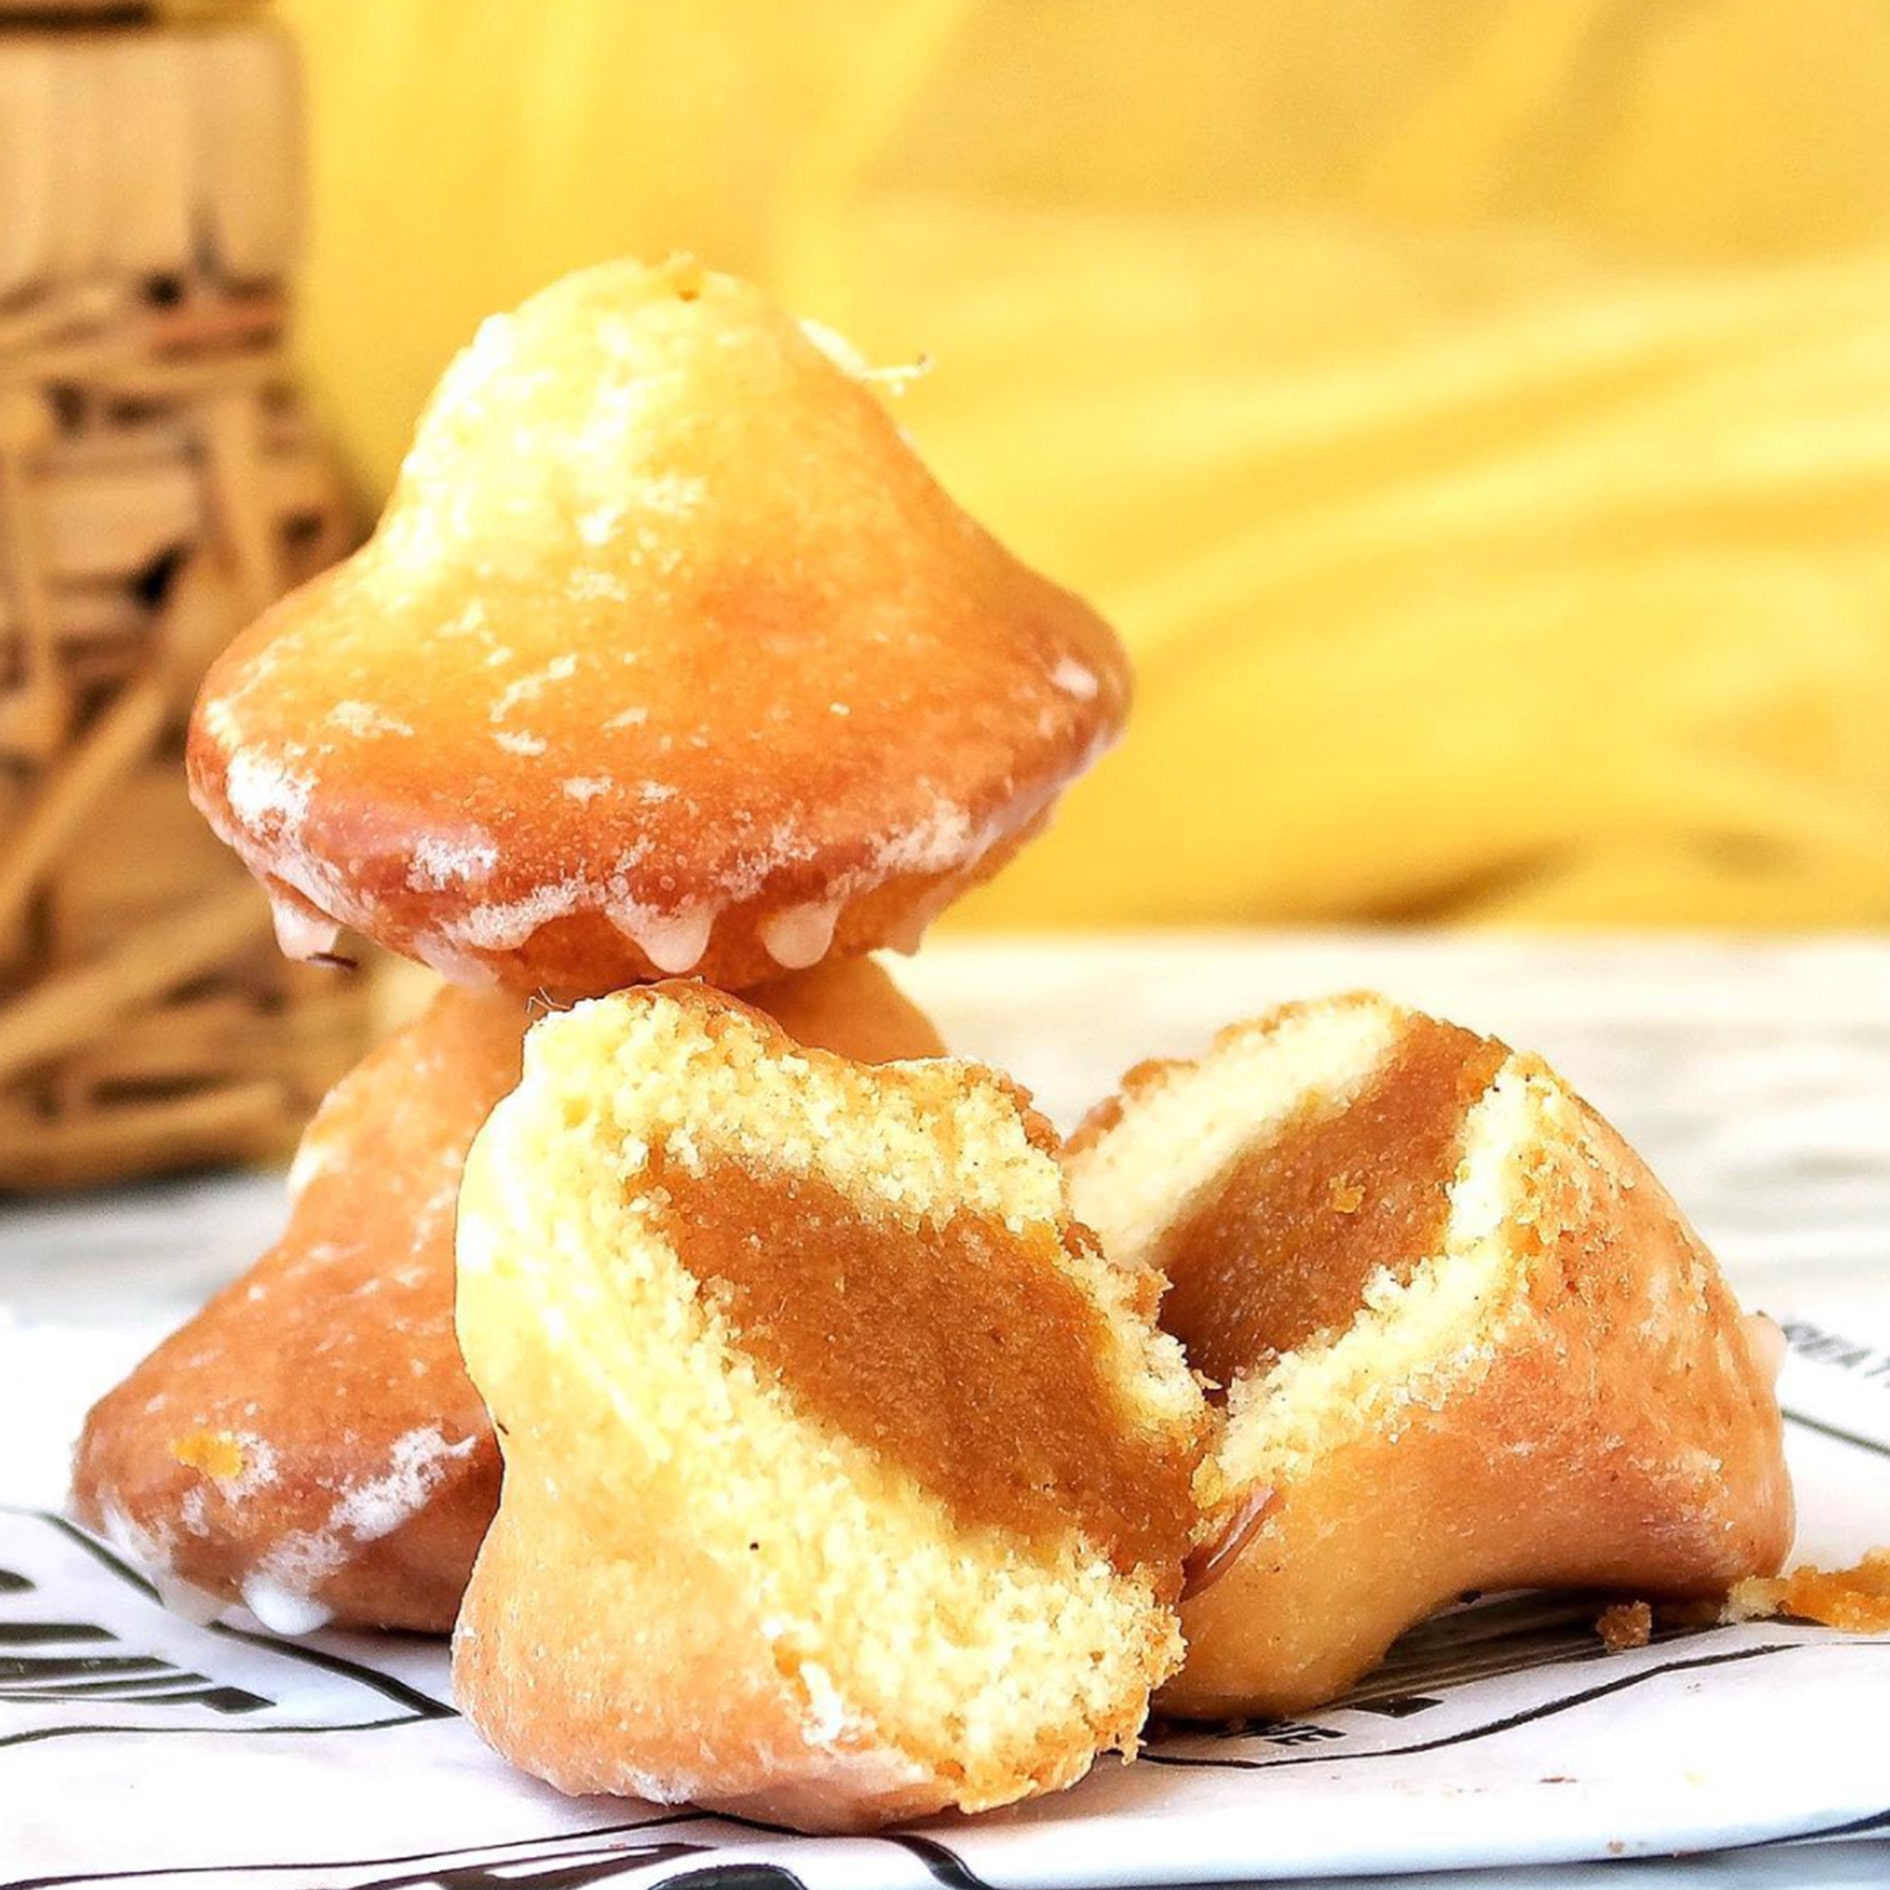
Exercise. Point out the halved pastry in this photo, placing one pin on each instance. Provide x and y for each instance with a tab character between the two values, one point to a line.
845	1481
1466	1341
309	1443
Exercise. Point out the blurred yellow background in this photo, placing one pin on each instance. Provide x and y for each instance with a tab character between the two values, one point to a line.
1476	416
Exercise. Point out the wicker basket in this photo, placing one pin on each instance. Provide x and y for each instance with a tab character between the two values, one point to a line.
159	484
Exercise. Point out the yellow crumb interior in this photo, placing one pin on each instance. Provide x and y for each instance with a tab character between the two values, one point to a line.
997	1661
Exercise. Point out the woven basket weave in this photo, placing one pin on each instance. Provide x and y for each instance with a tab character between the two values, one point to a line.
159	485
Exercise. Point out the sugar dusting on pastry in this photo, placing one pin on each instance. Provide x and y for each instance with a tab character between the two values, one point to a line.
364	719
440	860
1075	679
267	797
147	1545
852	362
532	684
283	1591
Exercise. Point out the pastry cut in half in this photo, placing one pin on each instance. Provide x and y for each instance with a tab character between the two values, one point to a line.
1466	1341
309	1443
845	1481
668	656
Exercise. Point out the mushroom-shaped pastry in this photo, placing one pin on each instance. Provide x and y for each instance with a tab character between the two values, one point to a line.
1466	1339
844	1480
309	1443
668	656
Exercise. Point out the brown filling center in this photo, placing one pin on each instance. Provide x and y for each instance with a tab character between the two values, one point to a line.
951	1350
1279	1249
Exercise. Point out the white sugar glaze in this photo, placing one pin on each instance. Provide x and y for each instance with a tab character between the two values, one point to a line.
302	933
457	937
364	720
673	942
282	1591
801	935
282	1610
1075	679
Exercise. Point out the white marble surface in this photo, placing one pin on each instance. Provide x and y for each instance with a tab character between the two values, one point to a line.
1755	1076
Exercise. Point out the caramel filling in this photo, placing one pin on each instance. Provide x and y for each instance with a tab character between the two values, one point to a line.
954	1350
1279	1249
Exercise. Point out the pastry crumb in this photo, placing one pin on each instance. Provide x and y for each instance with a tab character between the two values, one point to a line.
1347	1196
1627	1624
1855	1599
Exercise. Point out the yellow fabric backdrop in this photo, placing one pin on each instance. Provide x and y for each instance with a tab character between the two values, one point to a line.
1475	415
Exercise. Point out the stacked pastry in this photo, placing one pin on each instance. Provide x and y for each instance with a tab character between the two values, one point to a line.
864	1452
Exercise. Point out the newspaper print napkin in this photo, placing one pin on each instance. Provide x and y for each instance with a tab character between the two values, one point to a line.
143	1749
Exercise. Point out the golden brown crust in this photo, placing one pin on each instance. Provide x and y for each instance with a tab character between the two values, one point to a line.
225	1457
1647	1447
656	664
1617	1441
545	1718
850	1005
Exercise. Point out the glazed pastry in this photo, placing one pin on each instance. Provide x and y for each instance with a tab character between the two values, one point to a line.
845	1481
1465	1337
668	656
309	1444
